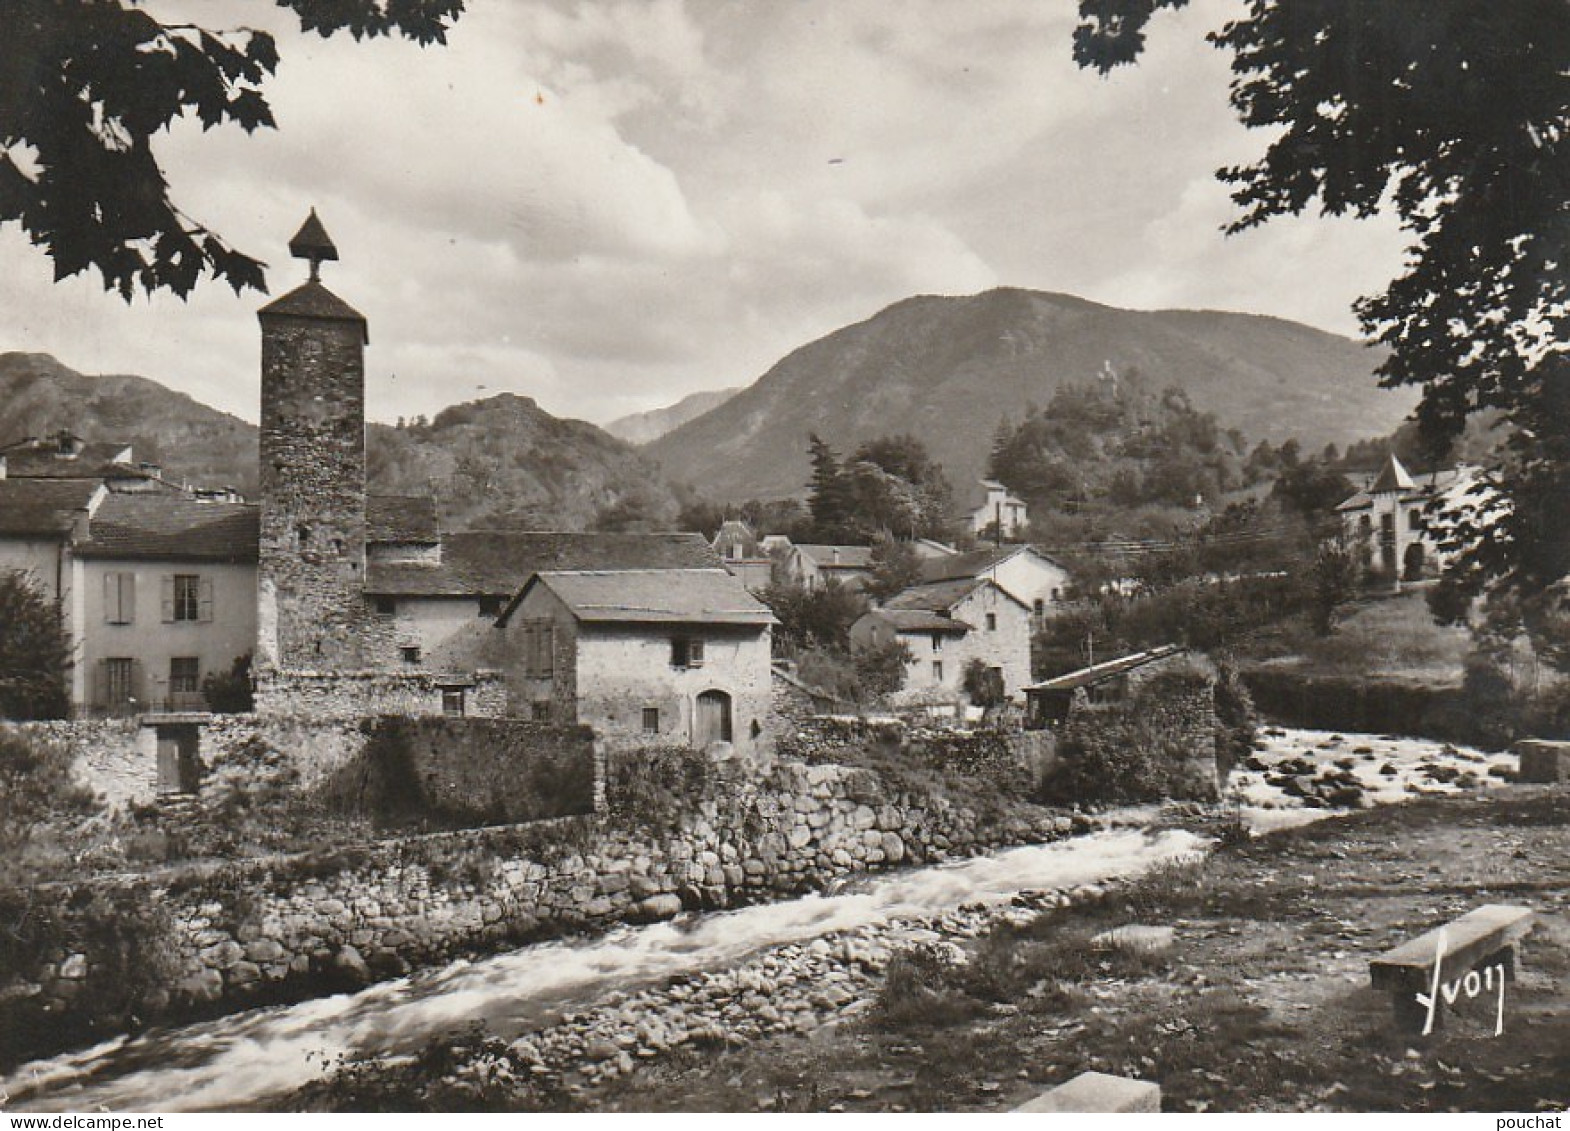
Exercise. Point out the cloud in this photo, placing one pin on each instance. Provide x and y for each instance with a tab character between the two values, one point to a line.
609	205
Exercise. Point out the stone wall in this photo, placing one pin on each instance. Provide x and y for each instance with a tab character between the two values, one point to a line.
1013	759
362	694
238	934
116	757
469	771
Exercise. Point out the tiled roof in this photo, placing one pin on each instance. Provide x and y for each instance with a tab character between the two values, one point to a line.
40	458
400	518
838	557
42	506
919	620
172	528
653	596
312	300
1393	477
497	562
1087	677
970	564
937	597
1426	486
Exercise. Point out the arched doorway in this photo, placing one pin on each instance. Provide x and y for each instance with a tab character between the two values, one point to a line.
1412	562
712	720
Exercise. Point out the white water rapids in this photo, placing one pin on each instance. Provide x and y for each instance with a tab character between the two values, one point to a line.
247	1057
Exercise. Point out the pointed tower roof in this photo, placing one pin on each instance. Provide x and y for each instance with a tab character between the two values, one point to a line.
1394	477
312	242
311	299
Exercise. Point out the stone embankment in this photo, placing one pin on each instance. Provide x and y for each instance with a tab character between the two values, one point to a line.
236	934
790	989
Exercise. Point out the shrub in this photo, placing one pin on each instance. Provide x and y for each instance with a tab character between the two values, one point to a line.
923	985
655	788
37	789
1145	748
231	692
34	653
984	684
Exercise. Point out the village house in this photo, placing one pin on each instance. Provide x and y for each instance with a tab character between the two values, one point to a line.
1023	572
948	624
641	656
1388	516
743	554
990	511
813	566
466	577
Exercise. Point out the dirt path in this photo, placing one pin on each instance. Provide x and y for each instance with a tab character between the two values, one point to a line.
1262	1003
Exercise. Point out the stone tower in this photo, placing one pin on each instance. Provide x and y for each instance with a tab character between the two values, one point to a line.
312	611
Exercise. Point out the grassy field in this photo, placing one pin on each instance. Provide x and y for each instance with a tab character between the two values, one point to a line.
1390	635
1262	1003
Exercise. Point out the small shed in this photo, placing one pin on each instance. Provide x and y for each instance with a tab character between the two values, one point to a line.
1048	703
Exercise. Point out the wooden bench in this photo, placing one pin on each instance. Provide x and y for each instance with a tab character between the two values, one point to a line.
1483	939
1097	1091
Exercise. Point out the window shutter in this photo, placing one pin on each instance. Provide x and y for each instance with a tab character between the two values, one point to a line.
112	598
695	653
138	684
166	586
528	649
547	650
99	692
204	609
128	597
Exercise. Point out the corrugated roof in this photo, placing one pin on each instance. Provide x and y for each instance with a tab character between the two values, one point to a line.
174	528
937	597
1098	673
43	506
496	563
401	518
655	596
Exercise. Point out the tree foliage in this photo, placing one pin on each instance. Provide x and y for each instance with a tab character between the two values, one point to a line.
1113	439
35	656
1455	116
85	87
890	485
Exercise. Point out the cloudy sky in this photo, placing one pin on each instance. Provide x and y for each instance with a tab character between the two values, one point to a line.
608	204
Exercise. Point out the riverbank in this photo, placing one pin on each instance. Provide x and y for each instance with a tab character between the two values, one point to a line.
1260	1003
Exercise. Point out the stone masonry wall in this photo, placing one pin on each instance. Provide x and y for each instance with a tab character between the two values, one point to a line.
238	934
360	694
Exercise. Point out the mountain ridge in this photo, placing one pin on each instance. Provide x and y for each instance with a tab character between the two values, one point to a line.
917	366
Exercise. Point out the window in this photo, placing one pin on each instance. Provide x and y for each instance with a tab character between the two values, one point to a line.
937	670
452	702
937	642
539	649
119	681
1414	519
187	597
410	653
541	710
1040	606
992	622
651	720
490	606
119	598
386	606
686	652
185	675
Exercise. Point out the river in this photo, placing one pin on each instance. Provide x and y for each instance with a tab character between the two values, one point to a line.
245	1058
